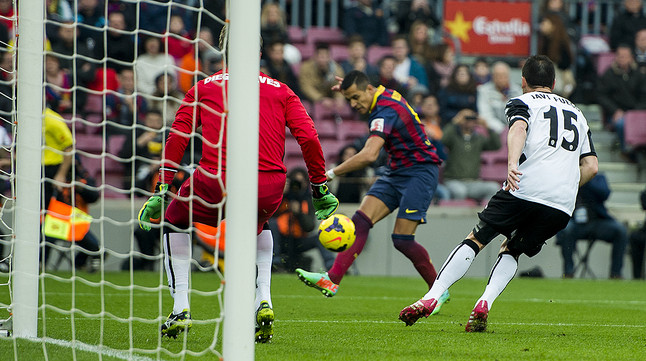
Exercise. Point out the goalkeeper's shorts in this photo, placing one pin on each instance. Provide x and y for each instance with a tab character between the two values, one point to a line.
201	194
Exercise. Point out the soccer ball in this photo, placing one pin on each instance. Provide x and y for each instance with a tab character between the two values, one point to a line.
337	233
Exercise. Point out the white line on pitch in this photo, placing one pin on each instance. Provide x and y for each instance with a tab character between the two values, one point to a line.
490	323
536	300
81	346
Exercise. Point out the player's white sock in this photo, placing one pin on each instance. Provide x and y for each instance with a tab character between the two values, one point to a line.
454	268
177	260
264	257
501	274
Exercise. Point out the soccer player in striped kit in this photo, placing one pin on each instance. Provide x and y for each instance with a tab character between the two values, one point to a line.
198	197
409	184
550	156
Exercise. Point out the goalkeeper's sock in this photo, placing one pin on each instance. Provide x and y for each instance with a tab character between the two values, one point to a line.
264	256
416	253
343	261
501	274
177	260
454	268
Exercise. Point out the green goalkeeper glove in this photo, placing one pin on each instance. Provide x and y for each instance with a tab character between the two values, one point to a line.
324	202
151	211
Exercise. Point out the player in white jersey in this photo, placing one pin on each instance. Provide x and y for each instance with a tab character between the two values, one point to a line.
550	156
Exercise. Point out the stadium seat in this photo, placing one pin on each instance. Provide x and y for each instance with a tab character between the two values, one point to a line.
293	162
331	149
94	104
352	129
635	128
321	112
604	60
319	34
296	35
115	143
339	53
377	52
292	147
307	50
89	143
457	203
327	129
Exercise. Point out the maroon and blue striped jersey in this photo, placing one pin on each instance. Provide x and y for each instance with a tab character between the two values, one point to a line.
394	120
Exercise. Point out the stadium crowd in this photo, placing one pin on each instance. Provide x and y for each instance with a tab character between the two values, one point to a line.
144	56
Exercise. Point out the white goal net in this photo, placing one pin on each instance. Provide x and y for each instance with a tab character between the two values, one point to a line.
114	74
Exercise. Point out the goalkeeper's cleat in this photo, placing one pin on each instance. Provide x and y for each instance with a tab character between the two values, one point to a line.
320	281
422	308
177	323
478	318
264	323
445	297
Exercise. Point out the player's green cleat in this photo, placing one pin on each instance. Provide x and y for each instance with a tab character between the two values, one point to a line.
445	297
177	323
264	323
320	281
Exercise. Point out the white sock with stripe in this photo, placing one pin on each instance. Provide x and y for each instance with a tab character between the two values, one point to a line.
501	274
177	261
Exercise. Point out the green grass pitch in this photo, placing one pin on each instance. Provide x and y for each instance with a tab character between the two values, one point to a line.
534	319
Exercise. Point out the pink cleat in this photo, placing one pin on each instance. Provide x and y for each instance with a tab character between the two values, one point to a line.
410	314
478	319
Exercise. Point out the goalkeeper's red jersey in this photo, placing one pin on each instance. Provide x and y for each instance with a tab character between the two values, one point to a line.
203	106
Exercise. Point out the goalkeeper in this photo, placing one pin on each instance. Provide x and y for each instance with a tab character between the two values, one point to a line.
199	196
409	183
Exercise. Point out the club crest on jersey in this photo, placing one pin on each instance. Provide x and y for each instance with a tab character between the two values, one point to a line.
377	125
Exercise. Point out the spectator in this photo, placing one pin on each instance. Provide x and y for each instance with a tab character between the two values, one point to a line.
592	221
460	93
418	11
295	220
621	88
317	76
386	75
146	149
273	27
554	42
481	71
278	68
73	51
365	18
152	62
350	187
166	98
638	244
408	71
124	107
193	63
627	23
58	11
128	9
90	16
443	63
58	86
465	146
7	77
429	115
493	97
640	50
420	43
177	38
557	7
153	16
357	58
120	46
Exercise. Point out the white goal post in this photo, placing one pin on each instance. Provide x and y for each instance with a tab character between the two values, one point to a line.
27	279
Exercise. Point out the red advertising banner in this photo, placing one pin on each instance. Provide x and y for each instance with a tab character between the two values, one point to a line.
489	27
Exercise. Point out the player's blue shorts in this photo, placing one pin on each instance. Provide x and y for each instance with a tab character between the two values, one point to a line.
411	189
